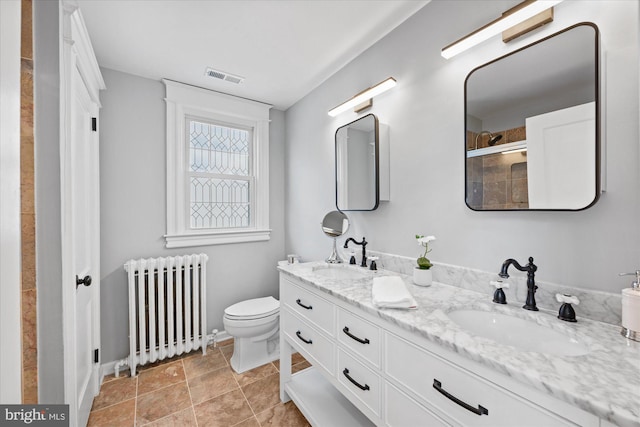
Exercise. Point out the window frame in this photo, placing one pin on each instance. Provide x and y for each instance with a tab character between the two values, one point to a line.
185	102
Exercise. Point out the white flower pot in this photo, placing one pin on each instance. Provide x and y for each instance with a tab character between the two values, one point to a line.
422	277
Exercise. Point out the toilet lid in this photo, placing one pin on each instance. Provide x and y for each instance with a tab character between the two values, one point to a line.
253	308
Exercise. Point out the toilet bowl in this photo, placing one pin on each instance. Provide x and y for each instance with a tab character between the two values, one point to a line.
254	325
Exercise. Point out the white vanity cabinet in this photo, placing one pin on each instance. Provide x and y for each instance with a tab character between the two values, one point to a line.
364	365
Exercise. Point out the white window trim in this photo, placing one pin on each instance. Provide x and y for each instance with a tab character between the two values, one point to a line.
183	100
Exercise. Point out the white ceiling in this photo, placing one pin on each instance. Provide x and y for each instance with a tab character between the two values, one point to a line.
284	49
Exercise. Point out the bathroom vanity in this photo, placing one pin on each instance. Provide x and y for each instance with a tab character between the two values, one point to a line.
419	368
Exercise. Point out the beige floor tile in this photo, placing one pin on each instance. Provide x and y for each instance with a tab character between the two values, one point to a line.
264	393
211	384
224	410
121	415
30	386
160	376
251	422
140	369
198	364
282	415
300	366
225	343
295	359
197	391
115	391
255	374
227	352
160	403
184	418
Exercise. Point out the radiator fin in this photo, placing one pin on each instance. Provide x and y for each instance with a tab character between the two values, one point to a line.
167	312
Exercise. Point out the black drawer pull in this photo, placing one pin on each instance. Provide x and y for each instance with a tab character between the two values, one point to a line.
350	335
299	335
480	410
354	382
308	307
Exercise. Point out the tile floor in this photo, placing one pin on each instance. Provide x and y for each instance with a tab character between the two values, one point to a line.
196	390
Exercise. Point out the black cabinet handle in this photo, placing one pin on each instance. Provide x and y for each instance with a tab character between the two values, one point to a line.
299	335
84	281
354	382
350	335
480	410
308	307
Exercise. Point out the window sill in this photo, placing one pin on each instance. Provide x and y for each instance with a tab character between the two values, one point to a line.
216	238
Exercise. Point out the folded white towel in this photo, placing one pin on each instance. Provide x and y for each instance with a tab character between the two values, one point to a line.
391	292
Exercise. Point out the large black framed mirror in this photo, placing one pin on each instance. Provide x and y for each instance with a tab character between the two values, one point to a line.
532	126
358	165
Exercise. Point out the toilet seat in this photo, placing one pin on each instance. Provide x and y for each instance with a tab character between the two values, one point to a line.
256	308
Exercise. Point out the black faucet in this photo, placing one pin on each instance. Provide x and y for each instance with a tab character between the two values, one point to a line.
364	249
530	303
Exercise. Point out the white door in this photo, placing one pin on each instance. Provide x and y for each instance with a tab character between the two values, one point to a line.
561	158
80	221
84	239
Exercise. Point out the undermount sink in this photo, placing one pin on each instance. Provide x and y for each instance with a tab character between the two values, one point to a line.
340	272
520	333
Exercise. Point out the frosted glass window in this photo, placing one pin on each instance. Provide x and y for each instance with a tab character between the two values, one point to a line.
219	203
220	180
218	149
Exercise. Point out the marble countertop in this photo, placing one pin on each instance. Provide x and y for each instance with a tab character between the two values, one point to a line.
605	381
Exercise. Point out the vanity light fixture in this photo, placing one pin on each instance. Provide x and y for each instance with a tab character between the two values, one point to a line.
364	96
512	17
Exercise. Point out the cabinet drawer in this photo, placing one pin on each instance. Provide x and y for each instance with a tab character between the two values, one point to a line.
418	371
314	345
311	307
359	381
360	336
403	411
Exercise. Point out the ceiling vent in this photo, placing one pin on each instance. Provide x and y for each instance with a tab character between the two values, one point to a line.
221	75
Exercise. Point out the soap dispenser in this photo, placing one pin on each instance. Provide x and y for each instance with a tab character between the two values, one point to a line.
631	308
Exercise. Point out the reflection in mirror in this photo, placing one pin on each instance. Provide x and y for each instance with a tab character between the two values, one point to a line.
357	165
334	225
532	139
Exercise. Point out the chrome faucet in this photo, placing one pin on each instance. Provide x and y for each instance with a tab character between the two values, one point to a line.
364	249
530	303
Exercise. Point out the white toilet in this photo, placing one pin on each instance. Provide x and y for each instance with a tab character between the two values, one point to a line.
254	325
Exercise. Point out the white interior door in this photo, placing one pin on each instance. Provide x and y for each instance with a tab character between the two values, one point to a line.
84	239
561	158
80	218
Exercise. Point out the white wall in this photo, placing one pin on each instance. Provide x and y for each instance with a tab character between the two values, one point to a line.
46	24
132	201
425	112
10	255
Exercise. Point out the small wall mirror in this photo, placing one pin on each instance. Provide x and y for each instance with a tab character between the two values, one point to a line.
357	165
532	126
334	225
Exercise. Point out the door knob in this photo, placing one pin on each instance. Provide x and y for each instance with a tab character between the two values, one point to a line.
86	281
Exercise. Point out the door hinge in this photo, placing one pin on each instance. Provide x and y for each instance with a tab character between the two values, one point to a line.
96	355
94	124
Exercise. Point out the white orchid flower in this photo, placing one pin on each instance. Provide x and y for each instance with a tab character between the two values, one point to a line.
423	241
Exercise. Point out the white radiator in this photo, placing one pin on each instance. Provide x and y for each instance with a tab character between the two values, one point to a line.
167	308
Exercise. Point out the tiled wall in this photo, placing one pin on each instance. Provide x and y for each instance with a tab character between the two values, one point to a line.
497	181
29	330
